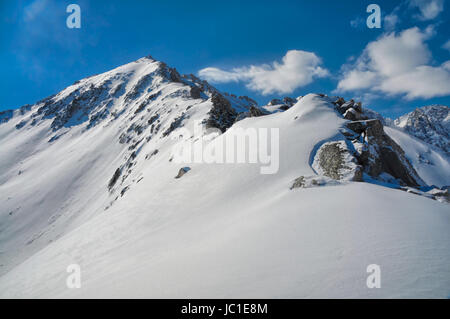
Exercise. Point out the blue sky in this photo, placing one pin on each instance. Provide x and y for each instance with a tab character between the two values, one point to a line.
244	41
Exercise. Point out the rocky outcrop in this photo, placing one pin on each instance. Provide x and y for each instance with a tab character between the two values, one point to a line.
252	112
284	104
5	116
298	182
354	111
170	74
114	178
365	149
174	125
337	161
182	171
442	195
196	92
379	154
221	115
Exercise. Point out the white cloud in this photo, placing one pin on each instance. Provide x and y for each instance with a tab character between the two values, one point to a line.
355	80
357	22
390	21
34	9
220	76
398	64
446	45
297	68
429	9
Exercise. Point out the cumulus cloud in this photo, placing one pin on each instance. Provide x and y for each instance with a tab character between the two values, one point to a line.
446	45
429	9
398	64
297	68
391	20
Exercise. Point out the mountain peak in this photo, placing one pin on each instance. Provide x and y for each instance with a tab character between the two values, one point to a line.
430	124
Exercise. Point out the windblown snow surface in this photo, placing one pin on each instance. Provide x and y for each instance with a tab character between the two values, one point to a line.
220	231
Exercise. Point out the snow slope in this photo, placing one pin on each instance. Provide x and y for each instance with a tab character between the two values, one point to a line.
221	230
432	165
294	245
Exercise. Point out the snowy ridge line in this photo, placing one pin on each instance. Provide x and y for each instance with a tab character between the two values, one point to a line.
231	229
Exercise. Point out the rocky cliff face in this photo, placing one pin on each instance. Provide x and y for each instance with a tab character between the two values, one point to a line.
430	124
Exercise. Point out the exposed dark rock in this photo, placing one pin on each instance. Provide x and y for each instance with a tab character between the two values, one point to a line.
371	151
382	154
252	112
339	102
299	182
221	115
150	98
153	119
350	110
357	126
140	87
196	92
5	116
430	124
174	75
345	106
351	114
174	125
333	161
137	128
155	128
248	100
275	102
21	124
150	155
169	73
182	171
204	86
118	89
80	102
255	112
443	195
114	178
132	147
286	101
289	101
124	138
123	191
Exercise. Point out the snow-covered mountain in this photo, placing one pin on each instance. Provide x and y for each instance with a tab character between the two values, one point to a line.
430	124
90	176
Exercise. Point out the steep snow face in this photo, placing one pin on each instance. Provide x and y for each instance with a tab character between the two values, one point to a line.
58	157
430	124
432	165
88	177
